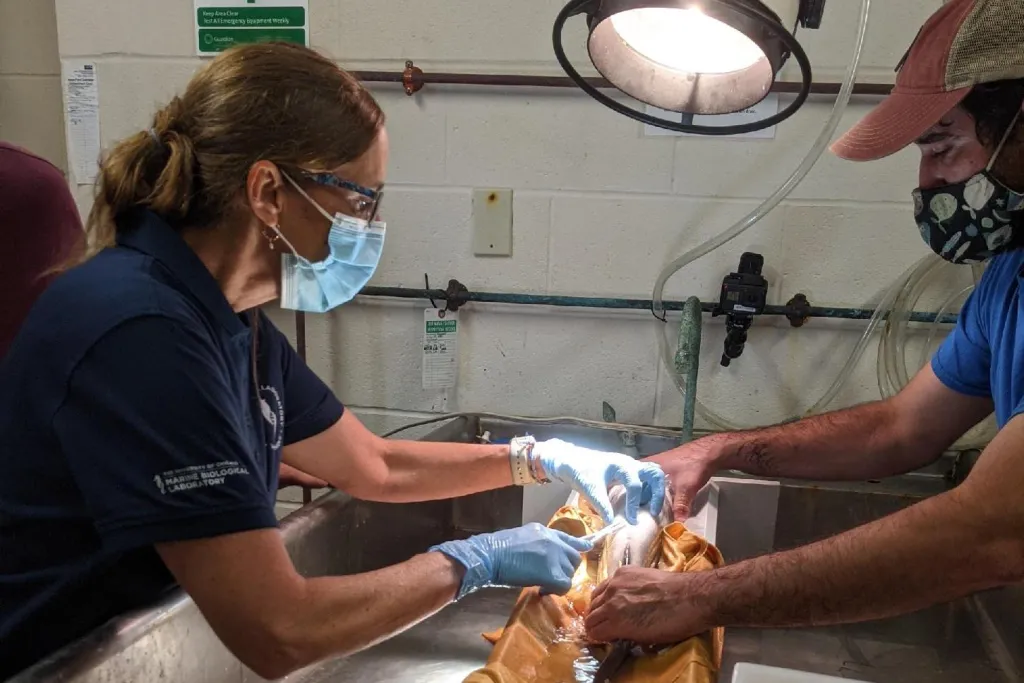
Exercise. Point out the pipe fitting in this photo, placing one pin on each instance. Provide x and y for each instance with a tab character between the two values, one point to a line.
798	310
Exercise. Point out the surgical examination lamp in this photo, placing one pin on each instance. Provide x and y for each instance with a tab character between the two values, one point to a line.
692	56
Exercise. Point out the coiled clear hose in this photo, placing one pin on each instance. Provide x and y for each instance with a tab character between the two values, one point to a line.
667	354
896	306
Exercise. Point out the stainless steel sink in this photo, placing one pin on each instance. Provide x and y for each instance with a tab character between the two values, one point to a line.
976	640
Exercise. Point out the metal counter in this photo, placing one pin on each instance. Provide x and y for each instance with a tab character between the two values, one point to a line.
977	639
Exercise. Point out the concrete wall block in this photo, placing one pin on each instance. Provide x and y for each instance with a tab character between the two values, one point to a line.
31	115
724	167
527	363
416	132
28	38
112	27
447	31
550	141
820	239
780	374
616	246
430	231
891	29
133	90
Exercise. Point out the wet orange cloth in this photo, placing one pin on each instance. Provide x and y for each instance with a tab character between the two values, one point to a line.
544	640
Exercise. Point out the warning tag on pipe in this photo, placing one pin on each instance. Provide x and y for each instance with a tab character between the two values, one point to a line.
440	348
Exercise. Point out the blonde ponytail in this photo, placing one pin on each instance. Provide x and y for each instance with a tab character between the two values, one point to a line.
152	169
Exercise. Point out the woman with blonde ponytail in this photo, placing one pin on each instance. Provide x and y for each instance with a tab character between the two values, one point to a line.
148	404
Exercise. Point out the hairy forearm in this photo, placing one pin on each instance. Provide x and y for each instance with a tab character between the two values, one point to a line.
342	615
424	470
862	442
880	570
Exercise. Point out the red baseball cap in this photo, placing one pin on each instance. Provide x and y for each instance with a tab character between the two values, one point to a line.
965	43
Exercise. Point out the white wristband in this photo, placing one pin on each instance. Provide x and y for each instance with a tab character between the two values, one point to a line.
519	450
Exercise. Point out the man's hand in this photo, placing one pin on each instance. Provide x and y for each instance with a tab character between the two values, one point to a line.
290	476
592	473
646	606
688	468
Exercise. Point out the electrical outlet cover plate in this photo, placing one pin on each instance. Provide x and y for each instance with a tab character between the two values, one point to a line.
492	222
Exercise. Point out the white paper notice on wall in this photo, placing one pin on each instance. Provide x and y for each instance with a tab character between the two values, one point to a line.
769	106
82	119
440	348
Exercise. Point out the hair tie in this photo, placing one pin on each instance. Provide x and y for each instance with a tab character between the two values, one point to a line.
152	134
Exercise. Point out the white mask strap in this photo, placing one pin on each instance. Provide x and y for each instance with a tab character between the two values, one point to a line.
1006	137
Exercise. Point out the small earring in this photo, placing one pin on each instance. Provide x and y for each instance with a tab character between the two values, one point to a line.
272	237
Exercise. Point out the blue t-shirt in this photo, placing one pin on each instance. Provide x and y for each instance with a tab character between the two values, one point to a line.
129	416
984	354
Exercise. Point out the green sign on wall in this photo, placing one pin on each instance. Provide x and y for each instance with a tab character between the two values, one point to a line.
221	24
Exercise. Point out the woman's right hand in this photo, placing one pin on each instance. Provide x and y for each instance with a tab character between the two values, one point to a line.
531	555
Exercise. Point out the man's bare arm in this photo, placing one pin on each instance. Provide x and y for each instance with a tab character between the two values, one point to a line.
870	441
275	621
874	440
974	533
960	542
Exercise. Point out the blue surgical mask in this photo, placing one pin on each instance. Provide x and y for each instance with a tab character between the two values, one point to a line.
317	287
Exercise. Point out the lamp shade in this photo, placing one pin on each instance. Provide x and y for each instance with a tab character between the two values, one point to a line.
682	55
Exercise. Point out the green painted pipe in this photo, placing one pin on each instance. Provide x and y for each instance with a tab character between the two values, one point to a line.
688	360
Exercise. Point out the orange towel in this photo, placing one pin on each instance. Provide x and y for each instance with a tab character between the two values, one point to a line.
544	640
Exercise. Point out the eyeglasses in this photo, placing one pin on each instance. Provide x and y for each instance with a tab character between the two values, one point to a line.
365	206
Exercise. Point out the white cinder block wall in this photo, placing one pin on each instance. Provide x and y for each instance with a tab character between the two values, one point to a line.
599	209
30	99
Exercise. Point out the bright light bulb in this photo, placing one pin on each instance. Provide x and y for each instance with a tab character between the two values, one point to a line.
686	40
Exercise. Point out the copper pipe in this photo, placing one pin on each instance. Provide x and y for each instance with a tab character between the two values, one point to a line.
413	79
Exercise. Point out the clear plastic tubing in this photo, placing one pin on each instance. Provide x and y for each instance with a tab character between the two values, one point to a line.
744	224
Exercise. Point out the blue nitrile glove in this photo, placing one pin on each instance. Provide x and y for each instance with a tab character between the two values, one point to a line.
593	472
532	555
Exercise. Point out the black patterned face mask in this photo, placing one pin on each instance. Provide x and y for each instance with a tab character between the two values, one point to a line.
970	221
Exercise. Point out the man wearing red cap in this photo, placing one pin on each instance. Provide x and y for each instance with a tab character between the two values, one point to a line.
959	97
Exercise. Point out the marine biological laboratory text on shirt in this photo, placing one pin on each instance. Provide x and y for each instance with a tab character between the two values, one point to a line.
197	476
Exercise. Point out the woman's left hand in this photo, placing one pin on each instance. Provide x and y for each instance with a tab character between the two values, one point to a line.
289	476
592	473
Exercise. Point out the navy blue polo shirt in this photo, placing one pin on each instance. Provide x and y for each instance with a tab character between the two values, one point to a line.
984	355
130	416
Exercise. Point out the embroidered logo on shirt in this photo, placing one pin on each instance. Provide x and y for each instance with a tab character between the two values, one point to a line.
273	413
197	476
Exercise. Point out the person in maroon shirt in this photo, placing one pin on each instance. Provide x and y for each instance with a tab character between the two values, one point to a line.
41	228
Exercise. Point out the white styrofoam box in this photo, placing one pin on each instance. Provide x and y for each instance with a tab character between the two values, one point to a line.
540	503
756	673
703	519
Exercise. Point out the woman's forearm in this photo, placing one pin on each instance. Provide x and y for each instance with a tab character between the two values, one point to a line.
426	470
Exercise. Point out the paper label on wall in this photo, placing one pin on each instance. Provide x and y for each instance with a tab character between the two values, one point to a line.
440	348
769	106
221	24
82	119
